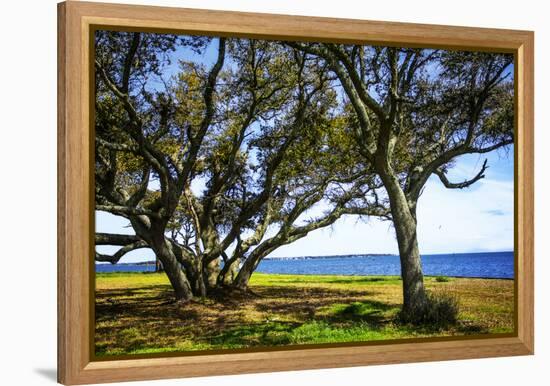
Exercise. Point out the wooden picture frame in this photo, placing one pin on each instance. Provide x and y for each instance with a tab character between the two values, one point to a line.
76	21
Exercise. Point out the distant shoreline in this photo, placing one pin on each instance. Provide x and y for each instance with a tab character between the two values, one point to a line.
343	256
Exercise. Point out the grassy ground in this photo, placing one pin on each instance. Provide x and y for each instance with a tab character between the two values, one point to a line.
135	312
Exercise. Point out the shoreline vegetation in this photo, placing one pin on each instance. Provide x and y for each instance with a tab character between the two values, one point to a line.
136	313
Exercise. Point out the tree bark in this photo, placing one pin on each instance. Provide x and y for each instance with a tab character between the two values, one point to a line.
251	263
404	219
153	233
246	271
158	265
211	272
174	271
196	280
200	287
229	273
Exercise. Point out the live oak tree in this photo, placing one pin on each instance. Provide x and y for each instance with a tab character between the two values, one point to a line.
128	151
219	154
412	112
224	162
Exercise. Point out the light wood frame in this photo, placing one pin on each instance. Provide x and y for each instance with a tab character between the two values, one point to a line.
76	20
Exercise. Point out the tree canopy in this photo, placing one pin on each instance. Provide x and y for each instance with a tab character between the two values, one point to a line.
221	162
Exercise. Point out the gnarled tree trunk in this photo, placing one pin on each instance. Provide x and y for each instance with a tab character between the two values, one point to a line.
200	286
251	263
158	265
246	271
404	220
153	233
211	272
229	271
174	271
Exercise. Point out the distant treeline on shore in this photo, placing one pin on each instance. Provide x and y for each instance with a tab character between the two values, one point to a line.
153	262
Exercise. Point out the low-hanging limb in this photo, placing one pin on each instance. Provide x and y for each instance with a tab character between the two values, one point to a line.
113	259
115	239
122	210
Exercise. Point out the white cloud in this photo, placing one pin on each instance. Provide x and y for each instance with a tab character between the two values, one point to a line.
479	218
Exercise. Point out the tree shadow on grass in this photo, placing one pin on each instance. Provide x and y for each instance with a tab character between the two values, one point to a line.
254	334
460	327
304	302
372	312
138	302
315	294
315	312
146	318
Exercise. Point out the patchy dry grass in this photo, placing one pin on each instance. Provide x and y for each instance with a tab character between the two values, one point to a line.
135	312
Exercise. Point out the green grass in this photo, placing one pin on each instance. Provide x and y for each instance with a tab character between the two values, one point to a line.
267	280
135	313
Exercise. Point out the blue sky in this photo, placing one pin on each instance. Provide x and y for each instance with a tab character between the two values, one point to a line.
477	219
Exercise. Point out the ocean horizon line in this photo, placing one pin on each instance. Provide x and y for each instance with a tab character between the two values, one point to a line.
349	255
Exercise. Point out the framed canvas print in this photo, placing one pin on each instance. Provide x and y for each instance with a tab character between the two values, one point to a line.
251	192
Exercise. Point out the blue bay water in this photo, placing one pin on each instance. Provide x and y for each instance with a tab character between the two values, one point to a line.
483	264
492	265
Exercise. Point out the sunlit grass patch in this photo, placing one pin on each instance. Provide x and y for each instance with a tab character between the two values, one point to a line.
263	279
323	332
136	314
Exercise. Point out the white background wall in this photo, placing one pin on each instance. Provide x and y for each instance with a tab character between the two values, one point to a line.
28	190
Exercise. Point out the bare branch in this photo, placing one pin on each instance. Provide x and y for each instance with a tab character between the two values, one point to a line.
115	239
141	190
446	157
113	259
461	185
126	210
136	37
